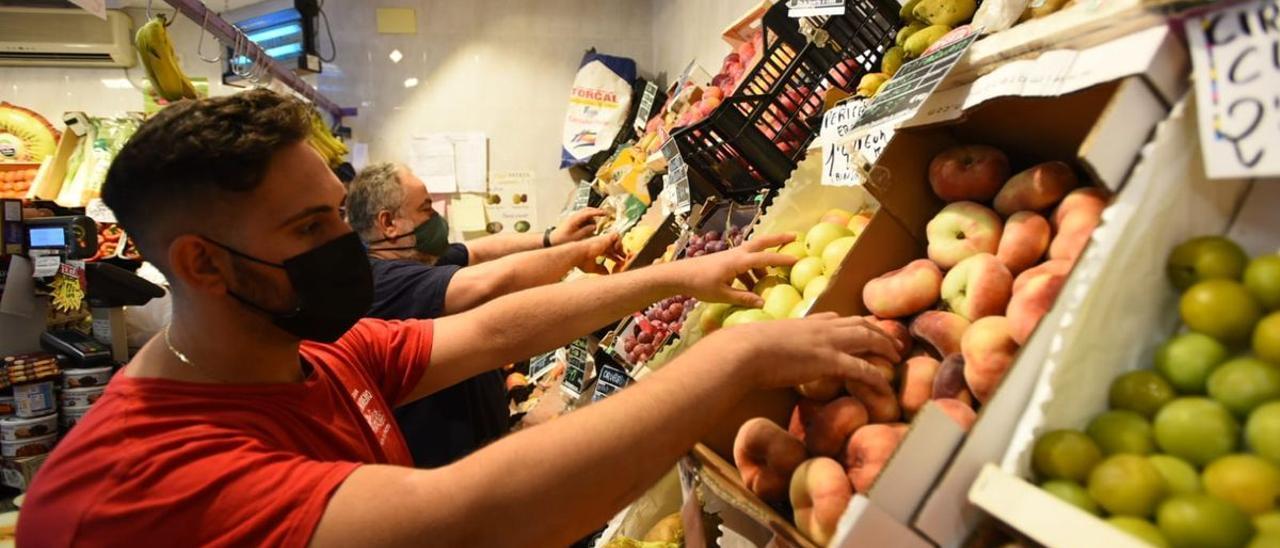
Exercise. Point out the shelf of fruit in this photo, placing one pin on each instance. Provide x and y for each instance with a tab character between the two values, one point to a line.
16	179
1189	452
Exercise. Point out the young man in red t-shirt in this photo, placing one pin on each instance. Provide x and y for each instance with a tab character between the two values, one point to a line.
225	429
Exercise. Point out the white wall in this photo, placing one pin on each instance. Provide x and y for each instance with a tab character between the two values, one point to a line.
689	29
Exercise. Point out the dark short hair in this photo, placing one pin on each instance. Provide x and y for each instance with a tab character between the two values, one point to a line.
196	152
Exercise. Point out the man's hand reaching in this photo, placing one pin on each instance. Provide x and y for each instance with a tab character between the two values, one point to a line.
710	278
578	226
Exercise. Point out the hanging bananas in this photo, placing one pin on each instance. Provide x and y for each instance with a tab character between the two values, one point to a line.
332	149
152	42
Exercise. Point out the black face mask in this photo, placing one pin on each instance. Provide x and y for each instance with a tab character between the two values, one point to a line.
333	286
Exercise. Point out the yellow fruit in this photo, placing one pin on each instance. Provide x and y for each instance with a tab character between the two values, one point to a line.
893	60
870	83
920	41
945	12
907	31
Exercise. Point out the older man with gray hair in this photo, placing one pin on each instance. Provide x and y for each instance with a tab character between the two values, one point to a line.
418	274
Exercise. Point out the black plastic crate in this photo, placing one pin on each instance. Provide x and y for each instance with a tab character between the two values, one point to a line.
754	139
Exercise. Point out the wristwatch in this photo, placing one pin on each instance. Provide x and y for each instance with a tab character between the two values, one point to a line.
546	237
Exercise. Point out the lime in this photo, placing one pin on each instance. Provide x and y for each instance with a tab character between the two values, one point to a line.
1065	454
1247	481
1073	493
1143	392
1179	476
1262	431
1140	528
1243	384
1122	432
1187	359
1193	521
1196	430
1222	309
1127	485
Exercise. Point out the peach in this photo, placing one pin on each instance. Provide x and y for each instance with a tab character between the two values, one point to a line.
969	172
961	230
917	383
820	491
1057	267
830	425
869	450
988	351
979	286
896	330
821	389
940	330
859	222
1031	302
1081	199
766	456
904	291
1024	242
880	406
1035	189
800	415
1073	233
949	381
883	365
958	411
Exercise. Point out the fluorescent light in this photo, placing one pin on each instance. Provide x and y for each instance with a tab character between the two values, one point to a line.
277	32
396	56
117	83
281	51
410	82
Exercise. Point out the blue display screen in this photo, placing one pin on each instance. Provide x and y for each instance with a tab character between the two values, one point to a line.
48	237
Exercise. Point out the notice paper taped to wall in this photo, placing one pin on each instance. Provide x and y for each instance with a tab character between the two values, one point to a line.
450	162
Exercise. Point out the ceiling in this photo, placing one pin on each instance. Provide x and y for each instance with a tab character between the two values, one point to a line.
217	5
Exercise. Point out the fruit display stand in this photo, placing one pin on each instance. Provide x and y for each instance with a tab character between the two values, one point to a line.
1130	309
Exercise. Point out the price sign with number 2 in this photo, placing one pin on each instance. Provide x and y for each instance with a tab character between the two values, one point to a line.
1236	53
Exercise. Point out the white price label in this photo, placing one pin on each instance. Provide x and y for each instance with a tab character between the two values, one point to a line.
814	8
845	162
1237	77
46	265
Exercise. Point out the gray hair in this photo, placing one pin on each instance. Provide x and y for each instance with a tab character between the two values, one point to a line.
375	189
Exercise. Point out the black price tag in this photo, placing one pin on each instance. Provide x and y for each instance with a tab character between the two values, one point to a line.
646	106
902	95
581	199
612	379
541	365
577	369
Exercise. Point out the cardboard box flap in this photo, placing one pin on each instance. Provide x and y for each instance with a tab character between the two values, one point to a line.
724	481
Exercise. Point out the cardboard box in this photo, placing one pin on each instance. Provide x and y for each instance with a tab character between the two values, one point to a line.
1129	311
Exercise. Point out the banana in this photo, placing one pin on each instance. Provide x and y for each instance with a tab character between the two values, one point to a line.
156	51
330	147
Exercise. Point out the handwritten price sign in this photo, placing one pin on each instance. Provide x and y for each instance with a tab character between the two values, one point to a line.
1236	52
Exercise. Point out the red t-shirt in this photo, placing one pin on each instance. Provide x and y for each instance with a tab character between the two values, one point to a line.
160	462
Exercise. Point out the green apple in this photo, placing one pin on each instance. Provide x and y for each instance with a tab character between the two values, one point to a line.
1265	540
795	249
800	309
1188	359
1143	392
1248	481
835	252
1266	338
1262	431
1268	523
1196	430
1202	520
766	285
1205	258
1064	454
1127	485
1243	384
746	316
815	287
1141	528
1262	278
1179	476
805	271
1222	309
816	240
713	315
780	300
1073	493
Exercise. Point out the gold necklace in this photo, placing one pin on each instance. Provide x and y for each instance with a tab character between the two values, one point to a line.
169	343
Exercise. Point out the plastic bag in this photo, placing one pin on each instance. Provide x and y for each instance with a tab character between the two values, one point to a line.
599	104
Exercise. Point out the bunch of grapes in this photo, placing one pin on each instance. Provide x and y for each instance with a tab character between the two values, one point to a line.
713	241
659	321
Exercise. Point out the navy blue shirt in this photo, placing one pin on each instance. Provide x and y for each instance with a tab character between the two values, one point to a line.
454	422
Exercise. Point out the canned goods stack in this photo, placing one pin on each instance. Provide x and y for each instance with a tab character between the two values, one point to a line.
29	420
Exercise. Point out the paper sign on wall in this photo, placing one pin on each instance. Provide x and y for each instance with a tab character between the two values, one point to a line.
1237	79
510	203
450	162
467	213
